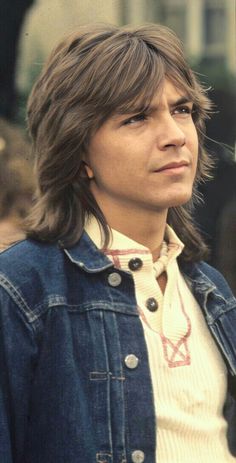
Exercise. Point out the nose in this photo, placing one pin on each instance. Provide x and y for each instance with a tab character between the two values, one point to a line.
170	134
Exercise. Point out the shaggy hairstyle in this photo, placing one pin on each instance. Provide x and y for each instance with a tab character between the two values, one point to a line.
96	72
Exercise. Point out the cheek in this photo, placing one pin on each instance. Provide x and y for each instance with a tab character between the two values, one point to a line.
96	158
193	147
104	165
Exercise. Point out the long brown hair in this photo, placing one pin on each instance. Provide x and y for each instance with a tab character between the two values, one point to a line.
93	73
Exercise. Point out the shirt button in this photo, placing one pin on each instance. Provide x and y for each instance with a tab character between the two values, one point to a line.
152	304
138	456
131	361
114	279
135	264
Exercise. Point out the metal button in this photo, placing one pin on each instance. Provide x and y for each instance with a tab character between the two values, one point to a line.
152	304
137	456
135	264
114	279
131	361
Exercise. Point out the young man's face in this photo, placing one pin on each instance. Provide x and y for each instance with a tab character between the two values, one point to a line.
145	162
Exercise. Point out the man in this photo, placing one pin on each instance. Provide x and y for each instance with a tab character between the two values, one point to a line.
117	343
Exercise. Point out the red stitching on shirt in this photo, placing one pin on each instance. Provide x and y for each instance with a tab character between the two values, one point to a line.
116	261
116	253
172	363
170	357
176	352
125	252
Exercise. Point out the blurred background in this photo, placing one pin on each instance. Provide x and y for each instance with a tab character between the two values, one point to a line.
29	29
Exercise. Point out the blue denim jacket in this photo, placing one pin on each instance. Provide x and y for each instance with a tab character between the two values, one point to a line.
68	320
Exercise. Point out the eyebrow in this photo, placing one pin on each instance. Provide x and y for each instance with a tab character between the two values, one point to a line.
180	101
151	108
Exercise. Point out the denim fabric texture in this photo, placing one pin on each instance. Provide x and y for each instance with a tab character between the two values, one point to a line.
66	393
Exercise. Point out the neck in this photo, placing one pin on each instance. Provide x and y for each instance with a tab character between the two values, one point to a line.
146	228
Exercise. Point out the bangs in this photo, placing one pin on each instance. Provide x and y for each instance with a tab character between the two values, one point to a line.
129	77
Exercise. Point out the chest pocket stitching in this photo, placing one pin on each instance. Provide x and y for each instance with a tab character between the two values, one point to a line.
103	376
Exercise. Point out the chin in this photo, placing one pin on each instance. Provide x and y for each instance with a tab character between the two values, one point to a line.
179	198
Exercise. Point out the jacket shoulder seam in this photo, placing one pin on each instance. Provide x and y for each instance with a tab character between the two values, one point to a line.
16	297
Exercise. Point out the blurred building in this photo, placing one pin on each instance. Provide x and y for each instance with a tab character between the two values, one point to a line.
207	27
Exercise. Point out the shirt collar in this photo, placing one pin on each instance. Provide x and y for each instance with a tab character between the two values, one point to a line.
118	241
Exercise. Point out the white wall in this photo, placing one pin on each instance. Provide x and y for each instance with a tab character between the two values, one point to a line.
48	21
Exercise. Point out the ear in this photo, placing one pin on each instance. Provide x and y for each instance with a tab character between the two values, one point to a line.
88	171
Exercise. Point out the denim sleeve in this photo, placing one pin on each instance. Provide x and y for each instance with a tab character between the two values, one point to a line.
17	359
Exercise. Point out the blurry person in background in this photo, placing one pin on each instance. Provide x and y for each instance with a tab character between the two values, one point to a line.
216	214
118	342
16	183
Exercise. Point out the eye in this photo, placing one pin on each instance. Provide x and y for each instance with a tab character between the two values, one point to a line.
184	110
134	119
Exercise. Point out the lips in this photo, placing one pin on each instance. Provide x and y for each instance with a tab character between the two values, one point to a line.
172	165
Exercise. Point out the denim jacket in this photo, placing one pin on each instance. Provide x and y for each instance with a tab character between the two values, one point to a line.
68	321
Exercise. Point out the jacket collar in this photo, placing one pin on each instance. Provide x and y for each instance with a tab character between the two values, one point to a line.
87	256
198	279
